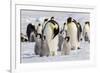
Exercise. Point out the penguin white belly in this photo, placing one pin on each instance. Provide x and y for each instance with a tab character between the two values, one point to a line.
39	30
87	30
72	32
66	27
52	42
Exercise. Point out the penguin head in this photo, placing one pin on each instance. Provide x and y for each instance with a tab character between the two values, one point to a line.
45	20
67	38
39	24
69	20
52	18
87	22
38	36
64	25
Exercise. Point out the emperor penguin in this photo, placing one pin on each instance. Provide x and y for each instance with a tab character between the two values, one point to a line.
66	46
62	34
86	31
60	40
44	47
23	38
79	34
37	48
51	31
65	27
39	29
73	33
30	29
79	31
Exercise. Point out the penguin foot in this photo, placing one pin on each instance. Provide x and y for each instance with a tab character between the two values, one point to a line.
72	49
41	55
47	55
58	49
81	39
78	48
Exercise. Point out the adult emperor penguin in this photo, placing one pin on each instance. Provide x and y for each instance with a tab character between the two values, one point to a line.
79	33
73	32
86	31
51	31
30	29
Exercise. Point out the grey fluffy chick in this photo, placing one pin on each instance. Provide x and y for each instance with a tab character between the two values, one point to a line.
44	48
38	45
66	46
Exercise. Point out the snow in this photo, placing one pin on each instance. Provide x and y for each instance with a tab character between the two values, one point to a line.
28	56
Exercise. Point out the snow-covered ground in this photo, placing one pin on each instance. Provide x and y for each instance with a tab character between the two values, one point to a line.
28	56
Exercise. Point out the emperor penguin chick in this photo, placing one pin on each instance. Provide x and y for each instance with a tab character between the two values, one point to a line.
38	45
44	47
66	46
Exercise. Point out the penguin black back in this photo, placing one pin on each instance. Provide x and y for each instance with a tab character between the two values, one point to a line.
30	28
79	28
55	31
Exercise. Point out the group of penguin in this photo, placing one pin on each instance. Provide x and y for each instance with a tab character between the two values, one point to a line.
49	39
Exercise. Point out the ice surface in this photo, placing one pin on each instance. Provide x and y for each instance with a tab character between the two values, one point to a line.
28	56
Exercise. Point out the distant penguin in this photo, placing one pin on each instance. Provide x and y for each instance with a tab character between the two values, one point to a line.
32	36
60	41
23	38
86	31
65	27
30	29
39	29
51	31
37	49
44	47
66	46
79	33
73	33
